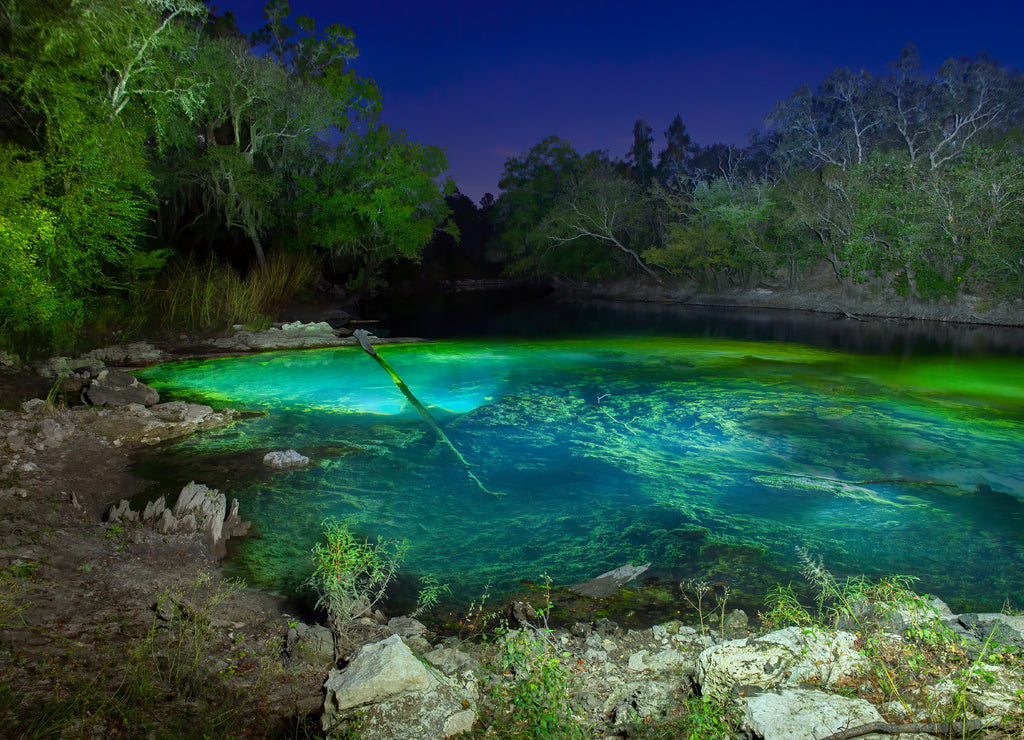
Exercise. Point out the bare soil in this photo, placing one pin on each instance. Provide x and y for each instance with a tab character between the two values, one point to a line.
79	603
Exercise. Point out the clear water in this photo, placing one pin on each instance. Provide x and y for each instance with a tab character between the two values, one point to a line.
707	457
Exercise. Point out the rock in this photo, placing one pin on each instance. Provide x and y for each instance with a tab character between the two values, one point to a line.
8	359
312	644
134	353
800	713
34	406
608	583
385	693
203	509
118	388
451	661
522	611
786	656
735	624
406	626
121	512
137	424
198	509
633	703
285	459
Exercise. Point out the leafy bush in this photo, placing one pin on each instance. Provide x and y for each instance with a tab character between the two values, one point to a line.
532	702
351	575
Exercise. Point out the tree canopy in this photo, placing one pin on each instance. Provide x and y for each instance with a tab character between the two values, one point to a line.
910	180
136	129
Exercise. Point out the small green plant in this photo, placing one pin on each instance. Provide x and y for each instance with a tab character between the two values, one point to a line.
784	609
531	701
351	575
695	592
431	591
701	718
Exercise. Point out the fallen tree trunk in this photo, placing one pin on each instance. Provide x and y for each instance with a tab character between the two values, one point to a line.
364	342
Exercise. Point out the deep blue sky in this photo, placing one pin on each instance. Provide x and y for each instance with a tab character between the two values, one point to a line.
488	80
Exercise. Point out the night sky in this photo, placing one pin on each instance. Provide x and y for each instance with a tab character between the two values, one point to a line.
487	81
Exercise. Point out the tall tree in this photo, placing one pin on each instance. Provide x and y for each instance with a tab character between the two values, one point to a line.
530	185
600	210
641	154
675	162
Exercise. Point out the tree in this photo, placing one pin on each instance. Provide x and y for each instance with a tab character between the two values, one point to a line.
266	122
599	210
720	232
530	185
82	82
675	162
379	201
641	154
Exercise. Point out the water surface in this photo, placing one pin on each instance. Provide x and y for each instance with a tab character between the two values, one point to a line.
709	457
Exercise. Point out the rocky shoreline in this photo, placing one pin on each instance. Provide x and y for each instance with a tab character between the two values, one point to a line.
88	602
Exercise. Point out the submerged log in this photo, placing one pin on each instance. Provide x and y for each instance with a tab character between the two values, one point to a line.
364	342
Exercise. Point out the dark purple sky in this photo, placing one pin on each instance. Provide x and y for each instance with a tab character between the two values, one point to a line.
487	81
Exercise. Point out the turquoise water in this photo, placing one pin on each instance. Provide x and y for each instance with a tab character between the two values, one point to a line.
709	458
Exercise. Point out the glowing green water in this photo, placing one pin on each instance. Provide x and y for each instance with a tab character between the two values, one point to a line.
708	458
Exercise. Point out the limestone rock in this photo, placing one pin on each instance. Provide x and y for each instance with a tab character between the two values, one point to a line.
310	644
786	656
282	460
198	509
385	692
118	388
800	713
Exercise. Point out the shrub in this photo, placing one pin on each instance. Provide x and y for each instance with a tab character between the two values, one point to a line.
350	576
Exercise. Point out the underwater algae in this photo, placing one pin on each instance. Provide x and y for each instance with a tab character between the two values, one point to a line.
614	451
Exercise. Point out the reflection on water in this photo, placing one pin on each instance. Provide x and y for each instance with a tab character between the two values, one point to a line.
709	457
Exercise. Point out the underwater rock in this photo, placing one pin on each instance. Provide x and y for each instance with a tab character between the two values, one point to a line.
284	459
608	583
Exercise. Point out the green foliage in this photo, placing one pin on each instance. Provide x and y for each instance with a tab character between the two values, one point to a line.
720	233
784	609
350	575
594	228
701	718
902	669
115	106
531	702
531	184
379	201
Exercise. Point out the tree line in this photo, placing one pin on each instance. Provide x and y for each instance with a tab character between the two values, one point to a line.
913	180
135	131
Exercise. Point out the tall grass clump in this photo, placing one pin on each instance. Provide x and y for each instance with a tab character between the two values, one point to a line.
212	295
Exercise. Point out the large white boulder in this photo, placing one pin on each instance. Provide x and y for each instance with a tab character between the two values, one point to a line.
787	656
386	692
804	714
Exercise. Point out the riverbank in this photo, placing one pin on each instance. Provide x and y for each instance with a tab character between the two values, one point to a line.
815	291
